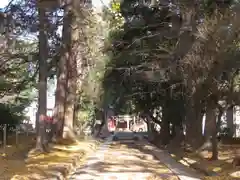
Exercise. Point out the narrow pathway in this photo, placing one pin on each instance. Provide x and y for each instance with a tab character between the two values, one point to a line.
123	161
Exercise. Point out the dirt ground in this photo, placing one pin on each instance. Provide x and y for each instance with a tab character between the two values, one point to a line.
221	169
12	158
19	162
22	163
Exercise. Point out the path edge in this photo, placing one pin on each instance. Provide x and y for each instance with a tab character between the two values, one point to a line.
185	173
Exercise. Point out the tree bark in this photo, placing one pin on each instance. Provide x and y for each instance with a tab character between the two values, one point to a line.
210	133
194	127
214	139
187	27
41	143
230	123
59	109
214	136
72	45
61	90
165	127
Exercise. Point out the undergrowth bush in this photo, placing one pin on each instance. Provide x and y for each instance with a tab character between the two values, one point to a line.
10	116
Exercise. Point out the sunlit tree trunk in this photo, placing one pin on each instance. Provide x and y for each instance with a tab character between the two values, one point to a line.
71	44
61	90
59	109
42	86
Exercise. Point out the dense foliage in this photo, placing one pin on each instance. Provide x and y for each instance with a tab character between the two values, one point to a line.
172	62
177	59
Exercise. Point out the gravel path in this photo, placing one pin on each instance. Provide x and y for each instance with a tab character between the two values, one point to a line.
123	161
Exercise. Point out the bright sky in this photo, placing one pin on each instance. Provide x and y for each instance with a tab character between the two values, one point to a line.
3	3
96	3
99	3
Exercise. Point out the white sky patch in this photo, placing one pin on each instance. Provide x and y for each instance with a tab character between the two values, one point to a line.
100	3
3	3
96	3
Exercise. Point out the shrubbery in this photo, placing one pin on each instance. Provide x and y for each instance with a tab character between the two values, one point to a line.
9	116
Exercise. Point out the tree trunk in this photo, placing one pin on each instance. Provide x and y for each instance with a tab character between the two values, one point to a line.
61	90
187	26
165	127
42	100
189	12
219	120
177	133
58	116
210	133
230	123
214	140
72	45
75	111
214	136
194	127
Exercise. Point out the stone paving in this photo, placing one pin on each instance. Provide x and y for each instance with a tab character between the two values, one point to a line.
122	161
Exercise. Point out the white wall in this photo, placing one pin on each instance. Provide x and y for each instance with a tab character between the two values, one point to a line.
32	109
236	120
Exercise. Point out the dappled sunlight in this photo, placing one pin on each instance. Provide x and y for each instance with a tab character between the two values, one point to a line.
223	167
191	161
183	162
125	168
12	157
57	163
34	176
173	155
170	161
124	161
235	174
217	169
126	175
148	147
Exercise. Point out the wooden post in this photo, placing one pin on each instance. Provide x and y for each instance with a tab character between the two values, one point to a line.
5	136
